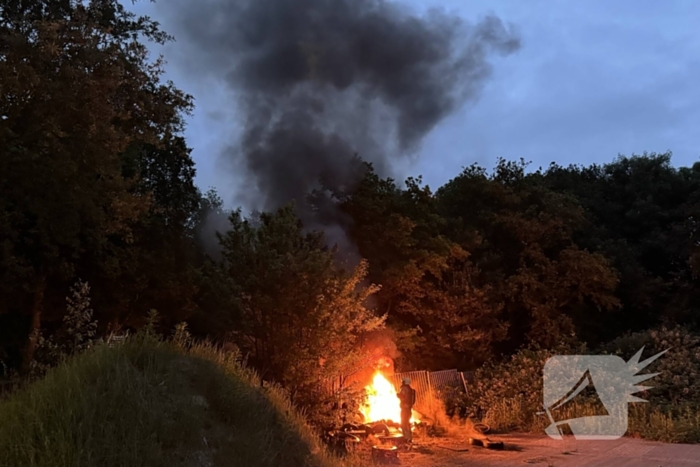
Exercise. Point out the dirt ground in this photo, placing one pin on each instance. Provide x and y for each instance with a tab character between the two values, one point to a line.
520	450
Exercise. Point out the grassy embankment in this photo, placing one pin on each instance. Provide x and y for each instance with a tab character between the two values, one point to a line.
149	403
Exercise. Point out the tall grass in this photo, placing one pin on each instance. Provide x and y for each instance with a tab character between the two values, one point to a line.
671	425
152	404
678	425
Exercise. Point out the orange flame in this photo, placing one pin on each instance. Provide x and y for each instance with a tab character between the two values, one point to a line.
382	402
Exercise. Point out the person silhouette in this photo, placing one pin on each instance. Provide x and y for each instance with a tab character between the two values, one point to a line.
407	398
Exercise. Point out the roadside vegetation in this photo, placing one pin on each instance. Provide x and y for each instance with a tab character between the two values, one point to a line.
153	403
508	396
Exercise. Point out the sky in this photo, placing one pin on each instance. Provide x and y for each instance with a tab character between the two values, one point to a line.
592	79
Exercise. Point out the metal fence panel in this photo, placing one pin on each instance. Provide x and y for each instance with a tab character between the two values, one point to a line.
440	380
428	385
469	376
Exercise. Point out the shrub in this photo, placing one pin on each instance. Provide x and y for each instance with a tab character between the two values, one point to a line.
678	382
508	395
76	334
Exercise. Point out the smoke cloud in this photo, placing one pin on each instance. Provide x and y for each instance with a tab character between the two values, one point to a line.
318	81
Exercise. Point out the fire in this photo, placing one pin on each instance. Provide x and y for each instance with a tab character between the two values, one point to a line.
382	402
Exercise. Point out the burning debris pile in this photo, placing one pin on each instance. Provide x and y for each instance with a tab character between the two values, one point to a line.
381	425
380	430
382	402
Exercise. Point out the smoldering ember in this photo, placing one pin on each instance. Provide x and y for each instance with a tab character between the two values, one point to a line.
348	232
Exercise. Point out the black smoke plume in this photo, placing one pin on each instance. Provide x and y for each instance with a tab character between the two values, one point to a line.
319	81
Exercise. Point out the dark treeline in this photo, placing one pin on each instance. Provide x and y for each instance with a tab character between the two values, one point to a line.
493	261
96	184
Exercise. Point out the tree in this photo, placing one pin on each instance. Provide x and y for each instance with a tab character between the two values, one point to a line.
302	315
640	211
548	286
158	269
484	265
77	92
441	312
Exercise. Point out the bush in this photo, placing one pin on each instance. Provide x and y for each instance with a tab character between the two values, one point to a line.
508	395
678	382
331	409
76	334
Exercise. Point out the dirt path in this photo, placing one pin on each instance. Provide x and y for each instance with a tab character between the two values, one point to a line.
540	451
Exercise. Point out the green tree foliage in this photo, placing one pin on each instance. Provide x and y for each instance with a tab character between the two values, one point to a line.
486	264
641	213
436	307
159	267
549	287
78	93
301	316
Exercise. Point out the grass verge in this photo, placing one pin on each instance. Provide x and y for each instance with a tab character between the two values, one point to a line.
667	424
152	404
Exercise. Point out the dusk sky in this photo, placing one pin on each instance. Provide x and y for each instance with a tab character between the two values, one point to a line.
591	80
